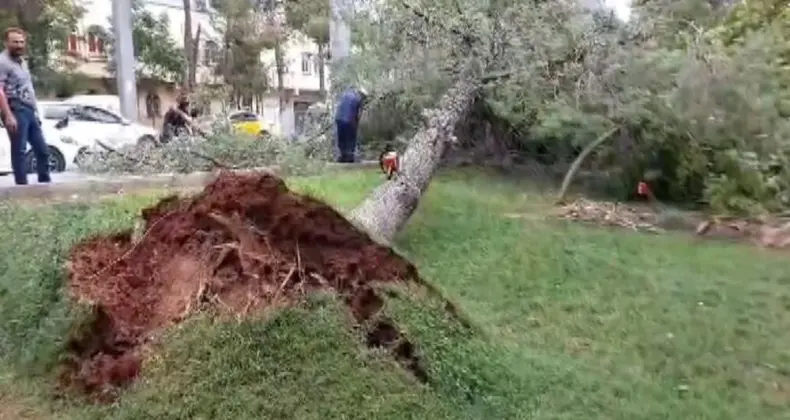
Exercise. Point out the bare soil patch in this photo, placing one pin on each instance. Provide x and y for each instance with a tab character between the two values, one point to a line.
244	244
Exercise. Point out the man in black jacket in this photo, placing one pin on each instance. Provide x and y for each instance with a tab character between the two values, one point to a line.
176	121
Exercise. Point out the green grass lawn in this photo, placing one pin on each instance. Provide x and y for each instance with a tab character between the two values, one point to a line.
571	322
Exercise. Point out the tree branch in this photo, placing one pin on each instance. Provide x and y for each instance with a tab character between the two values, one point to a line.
566	183
496	75
467	39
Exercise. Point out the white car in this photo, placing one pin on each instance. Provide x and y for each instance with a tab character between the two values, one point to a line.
88	123
63	151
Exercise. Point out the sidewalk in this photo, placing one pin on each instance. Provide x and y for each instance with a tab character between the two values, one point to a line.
97	186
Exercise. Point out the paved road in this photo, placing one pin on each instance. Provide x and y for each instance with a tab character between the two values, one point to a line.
76	185
59	178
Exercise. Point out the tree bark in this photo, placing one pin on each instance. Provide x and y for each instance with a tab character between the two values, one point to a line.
193	59
321	70
279	62
389	207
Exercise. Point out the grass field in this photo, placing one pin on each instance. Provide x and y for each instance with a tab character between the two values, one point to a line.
572	322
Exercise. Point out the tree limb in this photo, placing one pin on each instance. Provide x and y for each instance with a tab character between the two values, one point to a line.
113	150
566	183
490	77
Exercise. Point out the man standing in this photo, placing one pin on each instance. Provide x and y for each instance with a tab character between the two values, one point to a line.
349	109
19	109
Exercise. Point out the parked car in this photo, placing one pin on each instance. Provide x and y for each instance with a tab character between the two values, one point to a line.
63	151
108	102
88	123
250	123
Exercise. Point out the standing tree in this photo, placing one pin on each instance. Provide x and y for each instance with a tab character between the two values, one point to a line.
311	18
191	49
154	49
245	35
270	16
48	23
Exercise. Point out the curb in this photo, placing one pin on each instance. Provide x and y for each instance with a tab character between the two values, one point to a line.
121	184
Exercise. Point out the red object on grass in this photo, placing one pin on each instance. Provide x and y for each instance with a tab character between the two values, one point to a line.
643	190
389	163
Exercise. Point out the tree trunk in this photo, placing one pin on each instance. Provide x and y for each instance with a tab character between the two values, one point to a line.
322	70
389	207
188	45
193	59
279	60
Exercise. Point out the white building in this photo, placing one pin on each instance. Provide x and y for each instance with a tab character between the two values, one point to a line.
154	96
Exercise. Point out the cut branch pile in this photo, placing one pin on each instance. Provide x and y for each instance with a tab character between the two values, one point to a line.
220	150
611	214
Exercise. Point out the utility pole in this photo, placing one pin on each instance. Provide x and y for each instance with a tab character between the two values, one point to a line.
339	39
124	58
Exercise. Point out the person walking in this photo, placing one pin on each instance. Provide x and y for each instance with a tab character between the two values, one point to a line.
349	109
20	110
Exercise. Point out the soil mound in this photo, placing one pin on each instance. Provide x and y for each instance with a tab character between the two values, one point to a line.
243	244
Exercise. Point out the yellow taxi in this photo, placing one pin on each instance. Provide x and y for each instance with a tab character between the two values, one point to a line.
250	123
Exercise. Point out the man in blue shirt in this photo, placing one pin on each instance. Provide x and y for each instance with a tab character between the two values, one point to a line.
349	109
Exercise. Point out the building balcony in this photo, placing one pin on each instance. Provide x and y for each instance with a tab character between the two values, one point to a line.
87	48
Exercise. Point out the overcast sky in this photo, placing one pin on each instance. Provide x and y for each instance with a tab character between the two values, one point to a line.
621	7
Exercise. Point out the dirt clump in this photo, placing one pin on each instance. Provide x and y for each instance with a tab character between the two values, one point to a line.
243	244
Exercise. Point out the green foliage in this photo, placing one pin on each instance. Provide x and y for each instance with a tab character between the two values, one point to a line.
246	33
48	24
154	47
221	147
688	83
753	16
66	84
310	17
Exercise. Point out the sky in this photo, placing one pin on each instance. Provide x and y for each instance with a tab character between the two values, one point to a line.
621	8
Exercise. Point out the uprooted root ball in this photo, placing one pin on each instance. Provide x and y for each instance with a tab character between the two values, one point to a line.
244	244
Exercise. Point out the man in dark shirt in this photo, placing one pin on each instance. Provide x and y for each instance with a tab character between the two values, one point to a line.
349	109
20	110
176	121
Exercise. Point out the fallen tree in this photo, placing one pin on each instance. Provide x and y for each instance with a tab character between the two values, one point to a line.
390	206
387	210
560	76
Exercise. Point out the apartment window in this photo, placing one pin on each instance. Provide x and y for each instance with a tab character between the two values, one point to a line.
316	66
95	44
72	46
210	53
307	63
